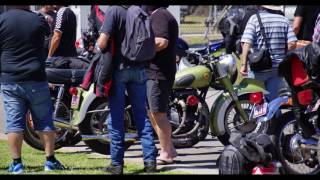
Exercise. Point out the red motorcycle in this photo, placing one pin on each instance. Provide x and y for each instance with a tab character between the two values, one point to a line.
297	132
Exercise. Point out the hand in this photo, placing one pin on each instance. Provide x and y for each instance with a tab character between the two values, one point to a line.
244	70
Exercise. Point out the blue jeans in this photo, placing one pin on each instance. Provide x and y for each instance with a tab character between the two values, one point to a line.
18	98
272	81
133	80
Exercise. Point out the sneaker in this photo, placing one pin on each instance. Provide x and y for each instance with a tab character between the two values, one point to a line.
150	167
16	169
112	169
50	166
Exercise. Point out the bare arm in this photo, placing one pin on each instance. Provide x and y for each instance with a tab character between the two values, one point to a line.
102	41
54	42
292	45
297	24
161	43
244	58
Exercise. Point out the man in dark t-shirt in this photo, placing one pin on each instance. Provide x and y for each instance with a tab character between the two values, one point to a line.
130	77
161	74
65	32
24	83
304	21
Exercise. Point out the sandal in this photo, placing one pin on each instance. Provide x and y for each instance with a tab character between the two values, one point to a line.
164	162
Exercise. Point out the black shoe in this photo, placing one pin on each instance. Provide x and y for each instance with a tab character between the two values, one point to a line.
114	169
150	167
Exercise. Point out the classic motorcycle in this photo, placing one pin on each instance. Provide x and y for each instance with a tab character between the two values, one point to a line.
296	133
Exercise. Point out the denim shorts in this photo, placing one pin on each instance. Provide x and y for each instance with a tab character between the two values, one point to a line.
19	98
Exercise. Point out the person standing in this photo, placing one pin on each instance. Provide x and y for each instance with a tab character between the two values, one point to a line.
130	76
24	84
161	75
304	21
64	35
280	39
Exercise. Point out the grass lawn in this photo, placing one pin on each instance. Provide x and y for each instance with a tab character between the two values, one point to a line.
77	163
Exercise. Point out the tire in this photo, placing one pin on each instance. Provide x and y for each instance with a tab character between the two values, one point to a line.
230	120
286	122
64	137
199	135
85	128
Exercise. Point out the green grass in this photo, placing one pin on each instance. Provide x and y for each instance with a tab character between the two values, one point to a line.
77	163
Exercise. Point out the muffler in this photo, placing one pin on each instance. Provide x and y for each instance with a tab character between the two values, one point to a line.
105	137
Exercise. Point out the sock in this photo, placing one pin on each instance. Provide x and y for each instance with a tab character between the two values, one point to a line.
51	159
17	161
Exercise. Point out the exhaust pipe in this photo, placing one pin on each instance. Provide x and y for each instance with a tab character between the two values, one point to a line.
62	124
105	137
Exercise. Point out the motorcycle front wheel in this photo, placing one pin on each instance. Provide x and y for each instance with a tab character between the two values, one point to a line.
234	124
95	124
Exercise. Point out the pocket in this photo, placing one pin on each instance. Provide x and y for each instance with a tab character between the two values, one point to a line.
39	93
142	76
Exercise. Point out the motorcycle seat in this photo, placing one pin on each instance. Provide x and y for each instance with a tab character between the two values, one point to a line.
65	76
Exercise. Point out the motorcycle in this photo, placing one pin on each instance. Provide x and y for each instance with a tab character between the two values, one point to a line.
296	133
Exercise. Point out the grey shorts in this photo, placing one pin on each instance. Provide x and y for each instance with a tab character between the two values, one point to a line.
158	92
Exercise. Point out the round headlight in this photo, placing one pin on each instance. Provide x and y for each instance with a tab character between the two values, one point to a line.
228	64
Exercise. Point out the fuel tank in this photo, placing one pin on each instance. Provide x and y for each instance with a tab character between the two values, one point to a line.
193	77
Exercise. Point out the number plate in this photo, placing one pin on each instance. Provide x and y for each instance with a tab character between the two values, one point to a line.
75	101
260	110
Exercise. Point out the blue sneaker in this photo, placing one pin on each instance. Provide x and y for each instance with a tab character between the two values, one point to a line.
50	166
16	169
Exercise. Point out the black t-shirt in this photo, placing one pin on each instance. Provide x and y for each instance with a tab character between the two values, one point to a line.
66	23
163	65
115	25
309	15
22	35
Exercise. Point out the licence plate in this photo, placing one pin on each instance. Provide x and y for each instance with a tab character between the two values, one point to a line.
75	101
260	110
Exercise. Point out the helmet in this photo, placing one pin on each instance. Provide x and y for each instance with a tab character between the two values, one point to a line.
182	47
228	64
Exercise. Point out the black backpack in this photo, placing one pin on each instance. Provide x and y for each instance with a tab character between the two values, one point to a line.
245	152
139	41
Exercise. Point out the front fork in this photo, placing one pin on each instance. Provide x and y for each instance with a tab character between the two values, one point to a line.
226	82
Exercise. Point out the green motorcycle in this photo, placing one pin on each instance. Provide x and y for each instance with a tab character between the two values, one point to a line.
230	112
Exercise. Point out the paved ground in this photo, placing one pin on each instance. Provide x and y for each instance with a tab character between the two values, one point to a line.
200	159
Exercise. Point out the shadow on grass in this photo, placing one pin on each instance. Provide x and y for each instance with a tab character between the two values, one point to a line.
190	22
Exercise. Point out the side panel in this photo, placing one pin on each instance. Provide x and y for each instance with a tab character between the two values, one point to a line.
79	115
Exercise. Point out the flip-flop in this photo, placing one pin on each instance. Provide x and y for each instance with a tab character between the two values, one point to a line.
164	162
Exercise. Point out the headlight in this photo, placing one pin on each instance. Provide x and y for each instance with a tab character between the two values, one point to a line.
228	64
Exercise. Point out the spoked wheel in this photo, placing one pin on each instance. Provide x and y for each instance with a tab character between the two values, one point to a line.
194	129
95	123
290	153
63	136
234	123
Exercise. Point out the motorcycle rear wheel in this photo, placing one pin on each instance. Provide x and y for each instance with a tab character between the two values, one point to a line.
86	127
284	130
199	134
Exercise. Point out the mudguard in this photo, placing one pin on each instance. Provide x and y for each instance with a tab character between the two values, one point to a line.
87	98
218	109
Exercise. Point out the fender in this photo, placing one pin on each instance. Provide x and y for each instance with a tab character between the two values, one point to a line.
88	97
273	107
218	109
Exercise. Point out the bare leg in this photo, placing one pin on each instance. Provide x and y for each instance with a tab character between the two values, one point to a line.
48	139
163	130
15	143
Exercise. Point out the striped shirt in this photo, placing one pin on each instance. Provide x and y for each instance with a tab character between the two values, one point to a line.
316	33
278	31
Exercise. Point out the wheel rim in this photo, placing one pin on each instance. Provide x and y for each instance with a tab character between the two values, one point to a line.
296	165
234	122
99	124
